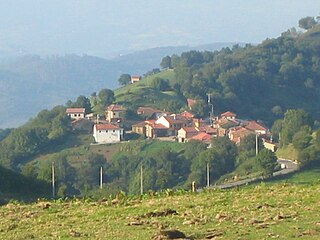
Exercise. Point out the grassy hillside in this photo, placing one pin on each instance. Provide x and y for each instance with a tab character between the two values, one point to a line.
280	211
143	94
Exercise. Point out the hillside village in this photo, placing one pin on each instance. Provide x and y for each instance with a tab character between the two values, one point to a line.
158	124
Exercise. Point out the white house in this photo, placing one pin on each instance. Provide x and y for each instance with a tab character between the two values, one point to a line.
76	113
107	133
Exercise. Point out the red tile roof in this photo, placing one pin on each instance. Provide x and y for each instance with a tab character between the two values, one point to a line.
203	137
239	132
175	119
228	114
157	126
186	114
115	107
106	127
75	110
208	129
227	123
255	126
190	129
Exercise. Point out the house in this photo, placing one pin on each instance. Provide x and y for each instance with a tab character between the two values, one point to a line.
269	145
154	130
173	123
203	137
224	124
187	132
150	112
135	79
238	133
256	127
228	115
76	113
114	113
186	114
107	133
140	128
209	130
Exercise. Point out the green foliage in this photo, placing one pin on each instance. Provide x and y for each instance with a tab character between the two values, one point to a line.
81	102
307	22
267	160
166	62
17	186
200	109
104	98
49	127
88	172
160	84
293	121
302	138
4	133
221	159
124	79
274	75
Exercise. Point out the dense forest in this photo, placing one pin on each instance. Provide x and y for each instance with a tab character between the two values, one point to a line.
259	82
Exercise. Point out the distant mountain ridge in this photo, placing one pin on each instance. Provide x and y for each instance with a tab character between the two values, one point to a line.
31	83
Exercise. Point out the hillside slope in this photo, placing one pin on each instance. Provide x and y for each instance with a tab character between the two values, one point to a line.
280	211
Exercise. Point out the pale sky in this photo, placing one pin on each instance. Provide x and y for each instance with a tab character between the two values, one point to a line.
104	27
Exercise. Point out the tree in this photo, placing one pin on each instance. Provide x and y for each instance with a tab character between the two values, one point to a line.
124	79
166	62
293	120
83	102
200	108
227	151
105	97
302	138
307	23
160	84
267	161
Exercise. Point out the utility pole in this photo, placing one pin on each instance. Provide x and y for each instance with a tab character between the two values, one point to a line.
257	144
53	181
210	113
208	175
101	178
141	180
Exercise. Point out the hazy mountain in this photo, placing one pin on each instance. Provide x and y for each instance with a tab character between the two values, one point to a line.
29	83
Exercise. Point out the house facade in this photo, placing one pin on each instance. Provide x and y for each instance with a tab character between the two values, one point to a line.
187	132
76	113
135	79
228	115
114	113
107	133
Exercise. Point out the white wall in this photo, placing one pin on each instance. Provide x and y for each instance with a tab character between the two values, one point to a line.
107	136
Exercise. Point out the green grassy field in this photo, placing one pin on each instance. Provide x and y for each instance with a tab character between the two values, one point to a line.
142	94
277	211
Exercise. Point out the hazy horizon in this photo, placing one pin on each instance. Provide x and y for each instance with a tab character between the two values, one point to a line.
106	28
